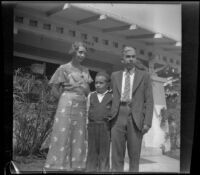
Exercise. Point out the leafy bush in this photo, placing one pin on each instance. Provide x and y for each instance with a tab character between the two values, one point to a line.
172	115
33	111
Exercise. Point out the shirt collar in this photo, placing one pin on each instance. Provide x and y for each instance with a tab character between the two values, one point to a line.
103	93
132	71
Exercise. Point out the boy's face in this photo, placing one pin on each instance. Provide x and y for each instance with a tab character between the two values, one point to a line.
101	84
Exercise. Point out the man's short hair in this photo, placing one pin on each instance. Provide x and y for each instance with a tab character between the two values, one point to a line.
104	74
127	48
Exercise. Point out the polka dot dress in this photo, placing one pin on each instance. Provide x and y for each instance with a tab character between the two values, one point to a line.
68	145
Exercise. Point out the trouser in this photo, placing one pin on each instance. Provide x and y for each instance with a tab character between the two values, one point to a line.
98	146
125	131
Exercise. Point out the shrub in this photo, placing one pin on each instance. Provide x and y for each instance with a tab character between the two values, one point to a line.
33	111
172	116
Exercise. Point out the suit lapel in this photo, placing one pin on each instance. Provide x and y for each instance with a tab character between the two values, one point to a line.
137	79
119	81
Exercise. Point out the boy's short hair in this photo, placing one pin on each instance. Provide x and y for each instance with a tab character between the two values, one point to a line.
104	74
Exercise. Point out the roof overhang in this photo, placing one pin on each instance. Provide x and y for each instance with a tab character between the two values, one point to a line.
94	21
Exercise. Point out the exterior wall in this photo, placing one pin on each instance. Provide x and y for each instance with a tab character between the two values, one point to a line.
155	137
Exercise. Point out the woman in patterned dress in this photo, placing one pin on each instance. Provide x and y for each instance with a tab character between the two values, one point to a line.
68	146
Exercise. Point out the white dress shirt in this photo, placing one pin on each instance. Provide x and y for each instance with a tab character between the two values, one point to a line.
100	96
132	75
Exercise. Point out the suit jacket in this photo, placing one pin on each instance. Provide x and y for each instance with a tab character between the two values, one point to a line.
142	97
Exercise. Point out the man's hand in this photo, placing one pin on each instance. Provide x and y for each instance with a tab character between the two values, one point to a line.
145	129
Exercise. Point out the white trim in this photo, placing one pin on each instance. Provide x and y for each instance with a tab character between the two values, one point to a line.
49	60
96	69
33	57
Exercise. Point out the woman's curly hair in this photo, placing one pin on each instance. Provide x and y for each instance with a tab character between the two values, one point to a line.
75	46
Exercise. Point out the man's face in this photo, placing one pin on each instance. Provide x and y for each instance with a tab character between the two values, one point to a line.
101	84
81	54
129	59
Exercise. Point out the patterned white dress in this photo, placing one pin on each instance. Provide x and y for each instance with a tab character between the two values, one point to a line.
68	145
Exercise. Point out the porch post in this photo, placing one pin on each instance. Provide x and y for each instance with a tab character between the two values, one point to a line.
155	138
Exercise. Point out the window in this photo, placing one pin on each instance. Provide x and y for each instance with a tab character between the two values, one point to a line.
171	60
59	29
84	36
105	42
150	54
47	26
19	19
177	62
72	33
142	52
33	23
115	44
95	39
165	59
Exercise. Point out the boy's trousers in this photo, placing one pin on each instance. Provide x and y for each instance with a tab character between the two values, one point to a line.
98	146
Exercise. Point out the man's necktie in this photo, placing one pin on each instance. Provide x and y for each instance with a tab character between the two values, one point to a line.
126	94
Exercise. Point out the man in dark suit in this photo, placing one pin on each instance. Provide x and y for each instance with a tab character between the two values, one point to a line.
132	111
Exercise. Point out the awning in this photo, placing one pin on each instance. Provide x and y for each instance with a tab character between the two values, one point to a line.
103	24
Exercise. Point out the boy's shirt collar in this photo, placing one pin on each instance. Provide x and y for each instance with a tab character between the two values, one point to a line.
102	93
101	96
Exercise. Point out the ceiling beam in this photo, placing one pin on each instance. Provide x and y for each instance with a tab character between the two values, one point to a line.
172	49
119	28
57	9
145	36
114	29
90	19
160	44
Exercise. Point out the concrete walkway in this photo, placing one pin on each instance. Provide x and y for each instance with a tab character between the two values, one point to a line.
150	164
157	164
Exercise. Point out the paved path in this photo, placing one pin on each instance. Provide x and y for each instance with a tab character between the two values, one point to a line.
157	164
147	164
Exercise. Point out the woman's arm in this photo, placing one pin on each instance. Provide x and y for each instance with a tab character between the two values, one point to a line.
56	90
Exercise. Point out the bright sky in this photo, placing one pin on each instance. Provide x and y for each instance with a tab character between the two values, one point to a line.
161	18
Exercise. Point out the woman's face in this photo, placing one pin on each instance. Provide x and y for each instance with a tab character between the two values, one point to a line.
80	54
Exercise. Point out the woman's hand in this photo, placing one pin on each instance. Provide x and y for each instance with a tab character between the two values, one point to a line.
85	87
69	86
80	86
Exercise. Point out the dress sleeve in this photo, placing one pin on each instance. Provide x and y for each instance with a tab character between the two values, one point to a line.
59	76
87	76
88	107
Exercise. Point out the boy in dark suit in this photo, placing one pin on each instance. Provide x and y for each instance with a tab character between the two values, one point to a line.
99	113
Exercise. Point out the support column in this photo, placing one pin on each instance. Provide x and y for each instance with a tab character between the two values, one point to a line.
155	138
